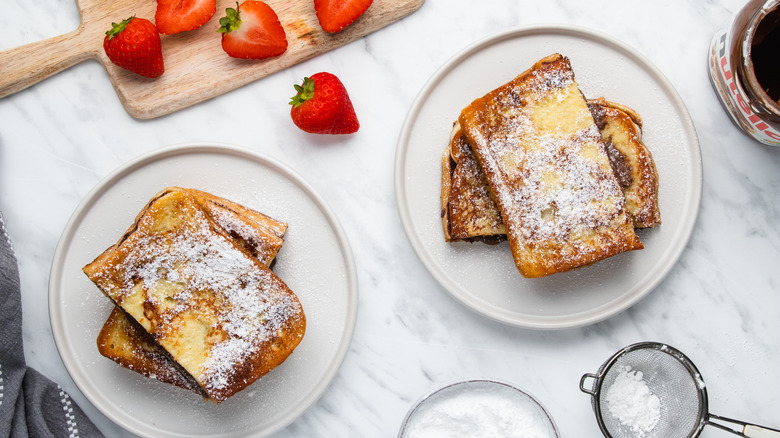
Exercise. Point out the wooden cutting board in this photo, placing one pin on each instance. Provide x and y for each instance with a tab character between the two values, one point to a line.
196	67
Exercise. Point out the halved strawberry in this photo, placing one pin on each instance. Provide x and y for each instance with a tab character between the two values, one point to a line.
335	15
174	16
252	30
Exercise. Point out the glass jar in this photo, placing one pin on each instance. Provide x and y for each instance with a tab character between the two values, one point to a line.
744	68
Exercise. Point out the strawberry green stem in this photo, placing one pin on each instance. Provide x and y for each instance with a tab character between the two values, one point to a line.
305	92
231	21
117	28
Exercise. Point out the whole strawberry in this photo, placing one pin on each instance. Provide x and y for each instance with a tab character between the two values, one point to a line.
322	106
134	44
252	30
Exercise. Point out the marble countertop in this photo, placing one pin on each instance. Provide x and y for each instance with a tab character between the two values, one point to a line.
719	304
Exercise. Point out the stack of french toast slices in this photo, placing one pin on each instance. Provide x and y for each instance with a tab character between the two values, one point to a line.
565	180
196	304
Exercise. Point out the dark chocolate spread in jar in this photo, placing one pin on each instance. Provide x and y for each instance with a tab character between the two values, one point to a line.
745	69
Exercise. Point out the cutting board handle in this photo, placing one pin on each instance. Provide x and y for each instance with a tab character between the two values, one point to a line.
29	64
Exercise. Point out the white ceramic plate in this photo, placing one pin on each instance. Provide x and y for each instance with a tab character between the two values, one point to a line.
484	277
315	261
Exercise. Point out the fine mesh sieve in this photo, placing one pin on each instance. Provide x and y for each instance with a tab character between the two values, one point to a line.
652	390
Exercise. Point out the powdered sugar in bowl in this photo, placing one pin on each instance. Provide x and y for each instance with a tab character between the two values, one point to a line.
478	407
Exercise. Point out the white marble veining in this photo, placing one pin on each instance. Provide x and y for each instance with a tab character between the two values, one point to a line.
720	304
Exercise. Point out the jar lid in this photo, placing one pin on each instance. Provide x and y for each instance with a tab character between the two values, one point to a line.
756	30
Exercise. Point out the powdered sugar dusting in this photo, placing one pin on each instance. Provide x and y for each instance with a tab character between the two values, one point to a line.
632	403
549	80
539	145
198	267
553	209
561	185
253	235
232	224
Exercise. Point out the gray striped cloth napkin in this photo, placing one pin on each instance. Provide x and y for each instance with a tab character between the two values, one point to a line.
31	405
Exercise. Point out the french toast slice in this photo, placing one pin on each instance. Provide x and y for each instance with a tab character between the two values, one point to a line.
547	168
216	310
632	162
125	342
469	211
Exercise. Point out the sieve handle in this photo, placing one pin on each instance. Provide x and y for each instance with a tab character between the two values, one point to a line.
748	430
592	390
753	431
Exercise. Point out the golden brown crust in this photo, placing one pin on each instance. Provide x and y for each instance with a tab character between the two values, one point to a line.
218	311
548	171
627	111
